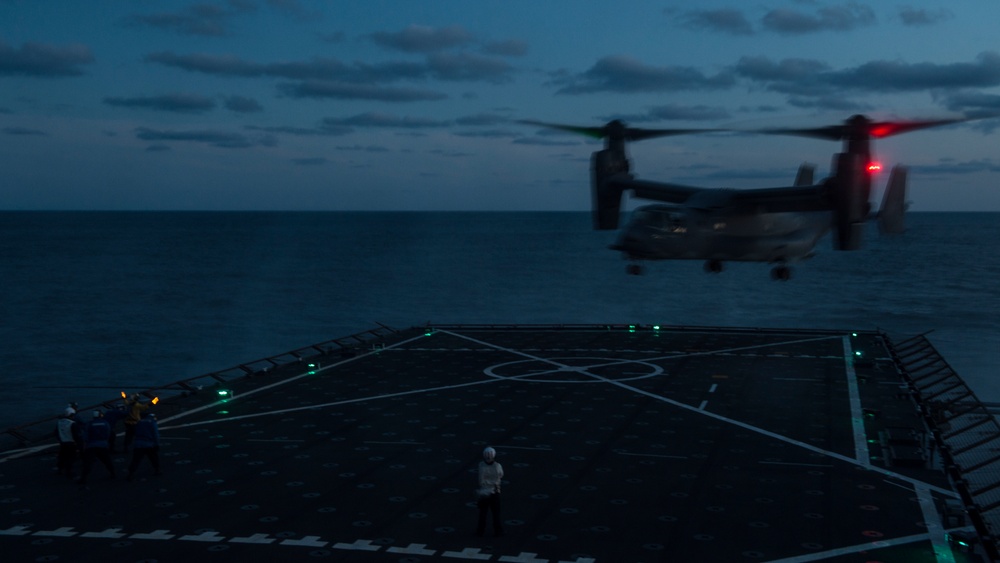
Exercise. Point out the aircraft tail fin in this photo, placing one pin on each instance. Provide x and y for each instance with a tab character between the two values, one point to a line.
891	216
804	177
606	165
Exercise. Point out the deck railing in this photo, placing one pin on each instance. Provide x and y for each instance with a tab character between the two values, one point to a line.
965	431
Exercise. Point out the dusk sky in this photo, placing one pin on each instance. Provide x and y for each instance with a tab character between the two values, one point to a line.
406	105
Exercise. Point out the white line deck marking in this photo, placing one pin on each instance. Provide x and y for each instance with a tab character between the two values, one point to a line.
857	415
864	464
413	549
307	541
942	551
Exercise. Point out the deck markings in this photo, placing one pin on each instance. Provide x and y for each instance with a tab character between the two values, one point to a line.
935	528
865	463
854	398
861	548
313	373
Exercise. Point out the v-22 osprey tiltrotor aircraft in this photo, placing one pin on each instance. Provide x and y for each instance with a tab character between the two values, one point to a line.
775	225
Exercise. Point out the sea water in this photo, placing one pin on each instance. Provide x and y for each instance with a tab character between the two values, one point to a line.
92	303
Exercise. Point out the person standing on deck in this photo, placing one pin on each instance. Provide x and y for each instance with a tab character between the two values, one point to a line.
69	434
490	476
135	408
147	443
95	446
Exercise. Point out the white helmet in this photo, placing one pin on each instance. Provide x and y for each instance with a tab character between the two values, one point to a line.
489	454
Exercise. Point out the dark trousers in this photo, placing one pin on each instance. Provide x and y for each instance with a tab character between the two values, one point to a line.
129	435
489	504
89	455
139	453
66	458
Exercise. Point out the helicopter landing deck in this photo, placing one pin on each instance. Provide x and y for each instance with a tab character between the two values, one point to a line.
618	444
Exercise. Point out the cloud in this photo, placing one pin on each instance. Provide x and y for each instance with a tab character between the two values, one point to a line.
208	20
955	167
372	119
226	65
44	60
832	102
625	74
974	101
322	129
423	39
727	20
213	138
178	103
333	78
836	18
674	112
240	104
467	67
23	131
352	91
915	17
806	77
890	76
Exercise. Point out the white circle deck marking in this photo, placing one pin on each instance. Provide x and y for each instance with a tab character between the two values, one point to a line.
559	370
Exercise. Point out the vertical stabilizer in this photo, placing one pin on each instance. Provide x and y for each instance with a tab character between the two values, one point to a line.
891	216
805	175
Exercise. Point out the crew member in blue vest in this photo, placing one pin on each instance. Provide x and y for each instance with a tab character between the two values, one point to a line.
147	443
95	446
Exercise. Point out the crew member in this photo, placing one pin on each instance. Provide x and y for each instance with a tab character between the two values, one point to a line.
95	446
490	476
147	443
68	432
135	408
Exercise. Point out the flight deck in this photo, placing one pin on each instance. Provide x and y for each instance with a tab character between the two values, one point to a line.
618	443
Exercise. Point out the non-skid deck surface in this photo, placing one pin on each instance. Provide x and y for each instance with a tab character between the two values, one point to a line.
654	445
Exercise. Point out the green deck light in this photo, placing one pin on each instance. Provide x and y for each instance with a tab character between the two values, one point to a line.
631	328
312	369
225	394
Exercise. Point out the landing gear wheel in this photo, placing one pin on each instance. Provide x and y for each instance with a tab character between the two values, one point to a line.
781	273
713	266
634	270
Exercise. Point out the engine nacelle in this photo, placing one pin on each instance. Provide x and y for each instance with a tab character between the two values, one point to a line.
605	165
851	192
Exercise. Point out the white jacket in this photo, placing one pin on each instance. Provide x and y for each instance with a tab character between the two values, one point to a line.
490	475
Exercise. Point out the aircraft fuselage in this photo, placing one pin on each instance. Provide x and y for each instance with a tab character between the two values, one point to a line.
679	232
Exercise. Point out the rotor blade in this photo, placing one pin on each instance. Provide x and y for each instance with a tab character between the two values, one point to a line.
636	134
880	129
831	133
861	126
617	129
595	132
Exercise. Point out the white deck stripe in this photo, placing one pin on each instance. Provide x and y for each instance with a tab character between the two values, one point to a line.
865	464
932	518
854	397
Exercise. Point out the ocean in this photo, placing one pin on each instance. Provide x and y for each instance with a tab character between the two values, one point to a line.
93	303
